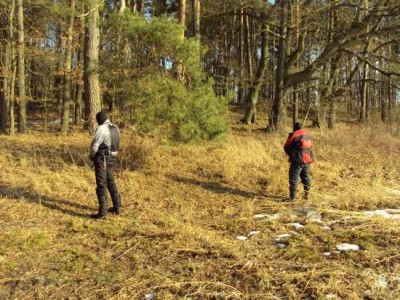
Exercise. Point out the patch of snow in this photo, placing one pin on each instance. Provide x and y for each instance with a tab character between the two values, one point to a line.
381	281
282	236
327	253
393	192
253	233
241	238
150	296
347	247
267	217
384	213
281	245
331	296
326	227
260	216
313	215
296	226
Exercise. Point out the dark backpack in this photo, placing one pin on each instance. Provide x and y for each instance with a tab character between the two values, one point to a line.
305	150
300	145
115	137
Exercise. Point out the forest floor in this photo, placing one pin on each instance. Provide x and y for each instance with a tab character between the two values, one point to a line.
202	221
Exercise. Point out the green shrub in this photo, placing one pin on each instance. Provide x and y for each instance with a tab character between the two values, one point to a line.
179	112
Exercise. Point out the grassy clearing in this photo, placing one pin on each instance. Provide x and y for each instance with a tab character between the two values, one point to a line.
183	208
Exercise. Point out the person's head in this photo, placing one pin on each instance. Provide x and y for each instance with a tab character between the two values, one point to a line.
101	117
297	126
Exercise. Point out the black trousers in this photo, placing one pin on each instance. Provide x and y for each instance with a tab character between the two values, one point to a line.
104	166
296	171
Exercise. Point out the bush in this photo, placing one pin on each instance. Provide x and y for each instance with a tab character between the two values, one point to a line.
168	108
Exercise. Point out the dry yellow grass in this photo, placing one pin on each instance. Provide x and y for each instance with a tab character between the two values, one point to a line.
184	207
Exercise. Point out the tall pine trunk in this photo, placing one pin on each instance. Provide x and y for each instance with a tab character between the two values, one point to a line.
254	90
91	64
179	69
22	126
276	119
5	81
67	70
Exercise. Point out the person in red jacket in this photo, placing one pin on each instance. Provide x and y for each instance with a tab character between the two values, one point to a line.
298	147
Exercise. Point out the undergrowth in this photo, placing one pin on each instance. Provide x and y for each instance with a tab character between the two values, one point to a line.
184	207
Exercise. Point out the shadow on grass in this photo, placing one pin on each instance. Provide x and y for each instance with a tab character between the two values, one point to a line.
64	206
216	187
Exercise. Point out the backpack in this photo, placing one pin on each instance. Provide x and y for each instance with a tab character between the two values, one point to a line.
300	145
115	138
305	150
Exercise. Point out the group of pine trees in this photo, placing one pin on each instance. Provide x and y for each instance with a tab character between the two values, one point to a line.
172	66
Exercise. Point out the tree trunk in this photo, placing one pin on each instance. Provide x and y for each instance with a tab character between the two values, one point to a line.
249	56
79	74
277	113
141	6
91	64
21	68
196	18
295	20
179	70
240	95
254	90
7	66
12	97
365	75
122	6
67	70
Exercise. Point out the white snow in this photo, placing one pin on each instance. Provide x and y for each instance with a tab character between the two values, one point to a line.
347	247
296	226
282	236
266	216
281	245
253	233
381	281
384	213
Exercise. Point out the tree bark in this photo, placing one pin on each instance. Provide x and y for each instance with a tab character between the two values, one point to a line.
365	74
67	70
254	90
240	91
22	126
196	18
91	64
7	66
179	69
79	86
276	119
122	6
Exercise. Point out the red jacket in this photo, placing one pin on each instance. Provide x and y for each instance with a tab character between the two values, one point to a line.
298	147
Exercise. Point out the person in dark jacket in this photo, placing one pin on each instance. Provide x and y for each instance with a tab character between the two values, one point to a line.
103	153
299	149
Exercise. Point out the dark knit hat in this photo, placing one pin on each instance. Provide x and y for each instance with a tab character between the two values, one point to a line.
101	117
297	126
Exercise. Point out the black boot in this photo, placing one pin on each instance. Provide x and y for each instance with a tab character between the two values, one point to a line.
116	200
102	209
306	192
292	191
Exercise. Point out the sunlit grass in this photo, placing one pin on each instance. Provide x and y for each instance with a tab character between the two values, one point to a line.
184	207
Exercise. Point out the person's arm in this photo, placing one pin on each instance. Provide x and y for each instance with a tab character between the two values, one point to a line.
288	144
98	138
